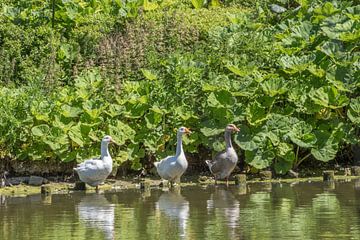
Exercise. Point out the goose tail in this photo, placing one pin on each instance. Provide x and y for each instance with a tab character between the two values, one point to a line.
156	164
209	163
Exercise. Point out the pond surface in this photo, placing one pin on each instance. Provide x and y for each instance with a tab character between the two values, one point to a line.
257	211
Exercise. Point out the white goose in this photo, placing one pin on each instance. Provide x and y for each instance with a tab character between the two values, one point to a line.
173	167
95	171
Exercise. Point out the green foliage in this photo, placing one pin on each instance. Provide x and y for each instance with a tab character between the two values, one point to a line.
139	69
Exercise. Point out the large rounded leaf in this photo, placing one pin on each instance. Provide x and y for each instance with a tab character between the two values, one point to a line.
329	97
326	146
121	132
70	112
354	111
274	86
259	158
255	113
40	130
282	166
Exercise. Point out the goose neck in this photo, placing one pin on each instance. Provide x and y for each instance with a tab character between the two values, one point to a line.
104	150
179	147
228	139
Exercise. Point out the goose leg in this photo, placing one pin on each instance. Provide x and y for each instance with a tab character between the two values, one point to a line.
97	188
227	181
215	180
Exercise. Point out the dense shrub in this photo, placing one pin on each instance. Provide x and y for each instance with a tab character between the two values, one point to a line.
137	70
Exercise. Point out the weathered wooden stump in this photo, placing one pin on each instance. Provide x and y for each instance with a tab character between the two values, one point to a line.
45	189
240	179
347	172
329	175
356	170
80	186
265	175
144	184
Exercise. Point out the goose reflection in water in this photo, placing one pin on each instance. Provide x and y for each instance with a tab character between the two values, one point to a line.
175	206
97	212
224	202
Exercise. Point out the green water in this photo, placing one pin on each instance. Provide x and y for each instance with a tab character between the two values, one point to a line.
257	211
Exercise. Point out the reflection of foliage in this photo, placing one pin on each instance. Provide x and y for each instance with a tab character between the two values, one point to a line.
304	211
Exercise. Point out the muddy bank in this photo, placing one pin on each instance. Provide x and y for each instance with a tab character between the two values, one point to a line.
112	185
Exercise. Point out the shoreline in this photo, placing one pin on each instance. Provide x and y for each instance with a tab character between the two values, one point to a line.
114	185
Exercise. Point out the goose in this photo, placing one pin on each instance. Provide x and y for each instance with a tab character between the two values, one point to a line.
172	168
95	171
224	162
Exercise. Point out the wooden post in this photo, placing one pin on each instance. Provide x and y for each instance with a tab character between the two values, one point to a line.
328	175
45	189
240	179
144	184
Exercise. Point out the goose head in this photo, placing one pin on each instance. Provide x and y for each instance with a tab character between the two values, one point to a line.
183	130
231	128
108	139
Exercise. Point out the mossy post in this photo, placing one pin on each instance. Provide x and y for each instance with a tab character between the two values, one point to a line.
266	175
356	170
329	175
144	185
80	186
240	179
45	190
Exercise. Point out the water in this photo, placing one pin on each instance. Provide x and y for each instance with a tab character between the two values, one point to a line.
256	211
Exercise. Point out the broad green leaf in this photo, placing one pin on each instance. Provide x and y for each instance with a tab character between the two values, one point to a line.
255	113
153	118
332	49
70	112
328	96
327	9
354	111
121	132
121	157
273	87
295	64
147	73
248	140
75	135
259	158
242	72
326	146
285	151
282	166
40	130
211	131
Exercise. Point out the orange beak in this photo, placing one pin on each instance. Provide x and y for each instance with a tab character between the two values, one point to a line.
236	129
187	131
